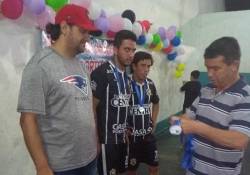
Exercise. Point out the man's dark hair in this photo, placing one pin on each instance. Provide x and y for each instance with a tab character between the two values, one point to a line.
53	30
225	46
123	35
195	74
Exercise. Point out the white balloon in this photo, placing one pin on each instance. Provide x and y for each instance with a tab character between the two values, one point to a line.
127	24
137	29
149	38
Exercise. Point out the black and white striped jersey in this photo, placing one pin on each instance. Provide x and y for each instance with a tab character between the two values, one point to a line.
140	119
112	87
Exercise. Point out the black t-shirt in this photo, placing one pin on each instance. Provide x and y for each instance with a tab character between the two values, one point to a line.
112	87
141	121
192	90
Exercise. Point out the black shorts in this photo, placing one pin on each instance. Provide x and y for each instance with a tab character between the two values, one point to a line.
113	159
143	152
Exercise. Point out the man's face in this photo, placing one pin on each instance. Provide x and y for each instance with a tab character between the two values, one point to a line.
141	69
125	53
220	73
77	38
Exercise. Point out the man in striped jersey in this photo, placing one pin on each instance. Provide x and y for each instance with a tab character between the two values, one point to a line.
111	91
219	118
144	111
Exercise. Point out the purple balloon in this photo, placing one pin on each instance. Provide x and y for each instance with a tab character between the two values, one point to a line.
102	24
37	6
162	32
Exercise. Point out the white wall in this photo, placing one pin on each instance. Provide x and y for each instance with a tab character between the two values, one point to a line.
204	29
17	44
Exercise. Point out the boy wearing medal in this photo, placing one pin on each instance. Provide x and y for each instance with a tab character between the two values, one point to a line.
144	111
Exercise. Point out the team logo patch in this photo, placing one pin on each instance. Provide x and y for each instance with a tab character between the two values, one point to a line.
133	162
78	81
112	172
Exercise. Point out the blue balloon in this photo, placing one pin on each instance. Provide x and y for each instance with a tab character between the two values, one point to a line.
176	41
141	40
172	56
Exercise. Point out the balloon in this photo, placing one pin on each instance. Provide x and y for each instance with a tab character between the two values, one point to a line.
180	50
129	14
171	64
162	32
176	41
83	3
168	49
115	23
166	43
141	40
127	24
36	6
146	24
12	9
172	56
26	2
179	34
137	29
56	4
156	39
178	74
170	33
102	23
94	11
111	34
158	47
180	67
48	16
149	38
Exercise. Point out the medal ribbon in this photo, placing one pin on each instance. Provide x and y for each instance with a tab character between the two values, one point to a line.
186	161
120	81
140	96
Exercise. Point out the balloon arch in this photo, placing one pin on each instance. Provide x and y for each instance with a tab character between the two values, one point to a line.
166	39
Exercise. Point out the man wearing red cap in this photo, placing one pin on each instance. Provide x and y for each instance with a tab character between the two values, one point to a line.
55	100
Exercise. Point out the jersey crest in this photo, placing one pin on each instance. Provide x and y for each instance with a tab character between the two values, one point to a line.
78	81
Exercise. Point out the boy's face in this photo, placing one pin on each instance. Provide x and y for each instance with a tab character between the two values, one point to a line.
141	69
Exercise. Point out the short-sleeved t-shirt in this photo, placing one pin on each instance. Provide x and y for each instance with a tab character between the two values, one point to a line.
58	91
226	110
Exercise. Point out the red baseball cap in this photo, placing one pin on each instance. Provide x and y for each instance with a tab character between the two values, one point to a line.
76	15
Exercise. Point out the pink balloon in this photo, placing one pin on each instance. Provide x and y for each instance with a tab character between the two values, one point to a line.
12	9
115	23
48	16
83	3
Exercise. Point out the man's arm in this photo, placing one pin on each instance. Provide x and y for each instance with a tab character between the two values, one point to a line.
34	144
155	112
228	138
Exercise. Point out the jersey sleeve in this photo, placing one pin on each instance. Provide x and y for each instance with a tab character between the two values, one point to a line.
32	90
155	97
98	82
